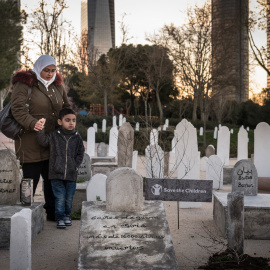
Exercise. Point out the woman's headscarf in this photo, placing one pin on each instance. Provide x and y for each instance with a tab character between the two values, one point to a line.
42	62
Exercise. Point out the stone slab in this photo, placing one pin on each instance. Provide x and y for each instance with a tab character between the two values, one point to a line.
125	240
104	167
6	212
227	174
256	215
79	196
102	159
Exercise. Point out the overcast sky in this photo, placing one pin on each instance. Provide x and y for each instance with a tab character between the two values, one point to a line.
146	16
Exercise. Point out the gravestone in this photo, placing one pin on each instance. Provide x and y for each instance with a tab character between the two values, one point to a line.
215	133
20	240
124	120
223	145
154	156
164	127
219	126
113	142
125	145
137	128
134	160
131	183
245	178
125	232
84	171
262	149
231	131
96	188
10	178
95	127
104	125
242	144
203	163
159	129
173	144
214	171
114	121
210	150
172	162
201	131
236	222
102	150
154	137
91	141
167	122
120	120
247	128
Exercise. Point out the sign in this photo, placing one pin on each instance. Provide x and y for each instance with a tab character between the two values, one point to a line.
183	190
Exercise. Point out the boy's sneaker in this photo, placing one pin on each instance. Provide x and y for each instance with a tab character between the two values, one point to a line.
61	224
67	221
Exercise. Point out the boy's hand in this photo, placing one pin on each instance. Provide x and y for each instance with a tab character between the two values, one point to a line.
40	124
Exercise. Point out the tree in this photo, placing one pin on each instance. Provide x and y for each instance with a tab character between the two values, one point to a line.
11	20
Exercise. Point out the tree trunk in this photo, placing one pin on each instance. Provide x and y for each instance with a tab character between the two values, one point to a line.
195	105
106	103
146	116
159	106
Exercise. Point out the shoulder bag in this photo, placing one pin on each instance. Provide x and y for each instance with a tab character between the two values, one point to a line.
8	125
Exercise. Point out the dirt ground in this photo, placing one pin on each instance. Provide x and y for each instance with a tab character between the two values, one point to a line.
195	240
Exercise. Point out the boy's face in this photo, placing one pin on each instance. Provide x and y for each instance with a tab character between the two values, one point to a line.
68	122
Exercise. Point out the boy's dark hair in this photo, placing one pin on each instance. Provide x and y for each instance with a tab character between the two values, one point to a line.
64	112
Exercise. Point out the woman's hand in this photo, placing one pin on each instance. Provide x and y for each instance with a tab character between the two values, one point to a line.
40	124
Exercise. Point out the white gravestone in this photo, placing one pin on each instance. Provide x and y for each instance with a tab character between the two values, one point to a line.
201	131
10	178
120	120
91	141
114	121
164	127
124	120
173	144
134	160
214	171
223	145
159	129
215	133
245	178
96	188
219	126
104	125
262	149
154	137
167	122
203	163
231	131
124	191
20	240
113	142
247	128
137	128
171	162
242	144
154	161
95	127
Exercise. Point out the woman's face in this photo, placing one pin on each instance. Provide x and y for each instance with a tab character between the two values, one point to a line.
48	72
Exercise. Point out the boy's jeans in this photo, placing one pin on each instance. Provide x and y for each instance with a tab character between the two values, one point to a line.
63	191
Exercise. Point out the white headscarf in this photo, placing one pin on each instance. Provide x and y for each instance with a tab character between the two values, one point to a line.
42	62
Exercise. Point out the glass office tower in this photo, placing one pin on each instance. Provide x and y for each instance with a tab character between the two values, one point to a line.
97	18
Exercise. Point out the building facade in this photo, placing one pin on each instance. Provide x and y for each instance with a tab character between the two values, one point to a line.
230	49
98	21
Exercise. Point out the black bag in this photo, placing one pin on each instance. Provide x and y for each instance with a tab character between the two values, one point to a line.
8	125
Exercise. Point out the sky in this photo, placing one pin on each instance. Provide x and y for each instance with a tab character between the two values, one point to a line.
147	16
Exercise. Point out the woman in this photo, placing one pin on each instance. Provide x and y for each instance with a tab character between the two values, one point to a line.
47	98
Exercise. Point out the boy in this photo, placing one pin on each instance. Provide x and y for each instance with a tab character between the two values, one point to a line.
66	155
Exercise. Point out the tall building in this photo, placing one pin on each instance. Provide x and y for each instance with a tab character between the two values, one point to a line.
97	19
230	49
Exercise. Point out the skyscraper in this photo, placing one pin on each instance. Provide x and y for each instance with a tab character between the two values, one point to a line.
97	18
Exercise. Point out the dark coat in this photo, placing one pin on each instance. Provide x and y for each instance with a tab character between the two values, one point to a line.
66	155
43	104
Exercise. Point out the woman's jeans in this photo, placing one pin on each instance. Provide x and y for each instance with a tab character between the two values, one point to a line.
34	170
63	191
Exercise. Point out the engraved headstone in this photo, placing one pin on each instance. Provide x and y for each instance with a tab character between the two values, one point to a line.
129	181
104	125
262	149
125	145
9	178
91	141
102	150
245	177
223	145
210	150
20	240
154	137
96	188
242	144
113	142
154	161
214	171
114	121
84	171
236	222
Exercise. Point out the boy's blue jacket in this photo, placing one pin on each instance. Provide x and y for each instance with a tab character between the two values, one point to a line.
66	155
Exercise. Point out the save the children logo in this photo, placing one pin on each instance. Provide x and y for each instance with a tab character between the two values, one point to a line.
156	189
